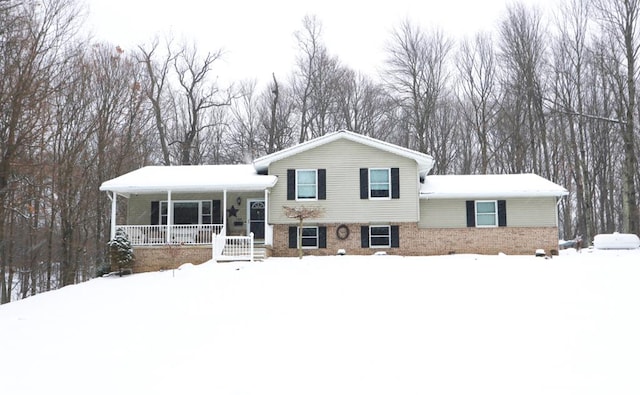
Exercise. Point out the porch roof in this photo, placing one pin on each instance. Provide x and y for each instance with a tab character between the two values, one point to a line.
489	186
209	178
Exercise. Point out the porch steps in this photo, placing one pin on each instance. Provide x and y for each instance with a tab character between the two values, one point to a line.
259	254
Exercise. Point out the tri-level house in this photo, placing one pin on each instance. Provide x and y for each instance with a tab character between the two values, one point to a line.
372	196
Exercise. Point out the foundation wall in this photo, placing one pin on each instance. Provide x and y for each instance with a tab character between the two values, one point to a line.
154	258
433	241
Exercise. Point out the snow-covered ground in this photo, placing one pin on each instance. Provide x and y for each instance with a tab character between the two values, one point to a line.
461	324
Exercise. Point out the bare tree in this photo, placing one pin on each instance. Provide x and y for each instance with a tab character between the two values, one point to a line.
302	213
620	20
158	90
416	75
479	91
523	53
31	55
199	96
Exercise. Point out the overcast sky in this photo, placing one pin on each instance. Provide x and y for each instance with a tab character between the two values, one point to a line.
257	35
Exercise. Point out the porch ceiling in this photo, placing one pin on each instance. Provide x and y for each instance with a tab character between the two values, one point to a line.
210	178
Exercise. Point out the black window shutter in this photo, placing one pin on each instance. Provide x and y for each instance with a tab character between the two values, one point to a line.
471	214
293	237
395	236
155	213
291	184
216	212
364	236
395	183
322	184
322	237
502	213
364	183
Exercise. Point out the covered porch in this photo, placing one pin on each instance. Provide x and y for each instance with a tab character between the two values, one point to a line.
190	205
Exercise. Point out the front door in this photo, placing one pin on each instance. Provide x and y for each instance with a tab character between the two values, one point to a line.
256	218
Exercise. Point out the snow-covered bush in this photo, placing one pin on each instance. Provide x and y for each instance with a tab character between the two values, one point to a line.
121	251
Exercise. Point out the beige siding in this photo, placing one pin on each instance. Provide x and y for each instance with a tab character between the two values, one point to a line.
531	212
521	212
441	213
343	159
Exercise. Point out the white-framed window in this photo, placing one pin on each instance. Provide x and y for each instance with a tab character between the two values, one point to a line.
187	212
380	183
307	184
486	213
380	236
309	237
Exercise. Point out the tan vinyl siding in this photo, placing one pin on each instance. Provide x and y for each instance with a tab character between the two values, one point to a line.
525	212
343	159
521	212
443	213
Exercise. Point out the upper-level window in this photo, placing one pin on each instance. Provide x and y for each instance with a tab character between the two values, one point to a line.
379	183
306	184
486	213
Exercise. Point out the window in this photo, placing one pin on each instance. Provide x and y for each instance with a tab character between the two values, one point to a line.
486	213
379	183
309	237
380	236
306	184
187	212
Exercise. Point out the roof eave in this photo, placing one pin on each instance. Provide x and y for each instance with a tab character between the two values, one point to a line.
496	195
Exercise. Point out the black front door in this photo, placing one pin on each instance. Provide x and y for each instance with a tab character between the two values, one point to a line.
256	218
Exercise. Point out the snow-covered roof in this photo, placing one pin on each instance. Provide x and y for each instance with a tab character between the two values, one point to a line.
488	186
425	162
154	179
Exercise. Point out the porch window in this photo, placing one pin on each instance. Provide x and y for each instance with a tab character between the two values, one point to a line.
187	212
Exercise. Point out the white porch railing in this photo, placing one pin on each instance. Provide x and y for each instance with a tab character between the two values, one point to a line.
233	248
180	234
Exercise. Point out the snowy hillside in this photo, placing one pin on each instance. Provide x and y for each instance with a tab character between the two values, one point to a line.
338	325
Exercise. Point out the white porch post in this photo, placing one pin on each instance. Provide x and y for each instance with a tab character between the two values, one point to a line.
114	209
224	212
169	216
266	217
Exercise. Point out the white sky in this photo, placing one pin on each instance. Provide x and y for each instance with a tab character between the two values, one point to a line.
257	35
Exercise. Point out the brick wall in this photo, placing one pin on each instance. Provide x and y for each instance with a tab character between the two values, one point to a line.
154	258
418	241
